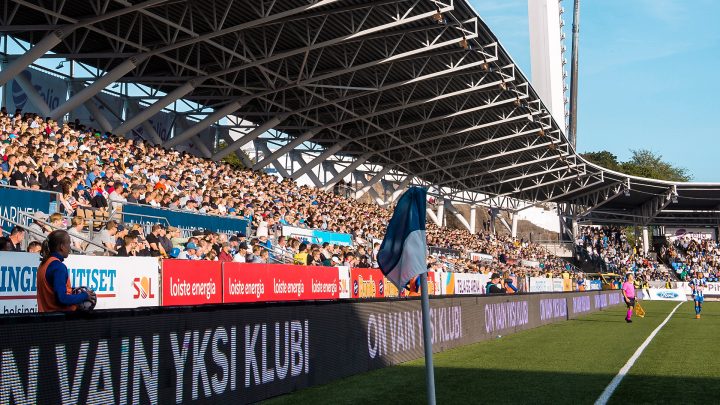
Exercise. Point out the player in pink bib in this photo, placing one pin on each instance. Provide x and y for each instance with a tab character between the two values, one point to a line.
628	291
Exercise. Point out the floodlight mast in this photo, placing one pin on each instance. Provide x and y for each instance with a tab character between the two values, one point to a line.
574	74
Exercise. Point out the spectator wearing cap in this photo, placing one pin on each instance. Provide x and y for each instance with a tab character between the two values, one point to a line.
20	177
190	252
241	253
38	229
493	286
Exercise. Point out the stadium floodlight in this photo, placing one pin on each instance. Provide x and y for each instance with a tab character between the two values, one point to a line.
674	198
626	192
60	65
116	85
464	44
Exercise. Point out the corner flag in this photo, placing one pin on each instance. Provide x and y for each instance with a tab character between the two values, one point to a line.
403	253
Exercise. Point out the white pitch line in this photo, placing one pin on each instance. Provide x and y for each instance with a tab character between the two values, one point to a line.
605	396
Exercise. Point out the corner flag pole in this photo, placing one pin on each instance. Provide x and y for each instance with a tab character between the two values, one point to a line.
427	337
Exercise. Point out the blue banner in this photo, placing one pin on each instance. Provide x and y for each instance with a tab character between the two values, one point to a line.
317	236
342	239
187	221
13	200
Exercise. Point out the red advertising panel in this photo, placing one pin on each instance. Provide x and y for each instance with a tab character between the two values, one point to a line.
245	282
367	283
190	282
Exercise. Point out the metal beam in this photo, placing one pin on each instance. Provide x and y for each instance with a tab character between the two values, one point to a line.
284	149
360	176
262	146
96	87
400	189
250	136
205	123
33	95
54	37
319	159
297	157
243	158
456	213
156	107
370	183
349	169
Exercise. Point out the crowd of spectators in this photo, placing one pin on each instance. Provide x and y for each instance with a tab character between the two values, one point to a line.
608	250
690	255
101	172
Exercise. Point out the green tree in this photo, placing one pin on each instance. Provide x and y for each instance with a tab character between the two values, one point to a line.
233	159
603	158
646	163
643	163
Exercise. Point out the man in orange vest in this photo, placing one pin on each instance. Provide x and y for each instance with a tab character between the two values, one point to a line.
54	291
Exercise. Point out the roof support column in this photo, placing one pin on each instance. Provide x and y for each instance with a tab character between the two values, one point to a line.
13	69
473	219
513	231
188	133
33	95
441	214
249	137
243	158
369	189
99	116
150	131
274	156
321	158
448	204
349	169
370	183
262	146
432	216
297	157
156	107
400	189
97	86
181	124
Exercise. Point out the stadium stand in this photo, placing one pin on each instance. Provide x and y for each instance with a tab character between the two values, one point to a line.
95	174
607	249
689	255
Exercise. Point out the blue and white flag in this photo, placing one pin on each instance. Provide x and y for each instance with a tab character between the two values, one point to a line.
403	253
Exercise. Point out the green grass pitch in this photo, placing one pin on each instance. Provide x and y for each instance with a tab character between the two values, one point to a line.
566	363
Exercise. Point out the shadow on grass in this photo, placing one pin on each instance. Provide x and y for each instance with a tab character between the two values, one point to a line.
406	384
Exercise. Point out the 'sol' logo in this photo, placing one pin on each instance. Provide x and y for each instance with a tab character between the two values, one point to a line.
143	288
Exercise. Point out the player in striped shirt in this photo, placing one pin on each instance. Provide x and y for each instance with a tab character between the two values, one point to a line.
698	285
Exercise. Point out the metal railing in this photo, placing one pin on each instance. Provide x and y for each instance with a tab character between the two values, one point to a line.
25	214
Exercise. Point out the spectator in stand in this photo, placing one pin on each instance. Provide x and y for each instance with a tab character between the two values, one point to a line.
153	240
34	247
116	198
76	232
129	247
301	257
17	234
225	253
190	252
106	237
20	178
6	245
241	253
38	229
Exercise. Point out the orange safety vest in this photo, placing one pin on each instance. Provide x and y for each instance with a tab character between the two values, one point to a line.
46	299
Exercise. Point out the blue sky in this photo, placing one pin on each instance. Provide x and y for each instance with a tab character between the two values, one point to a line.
647	74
